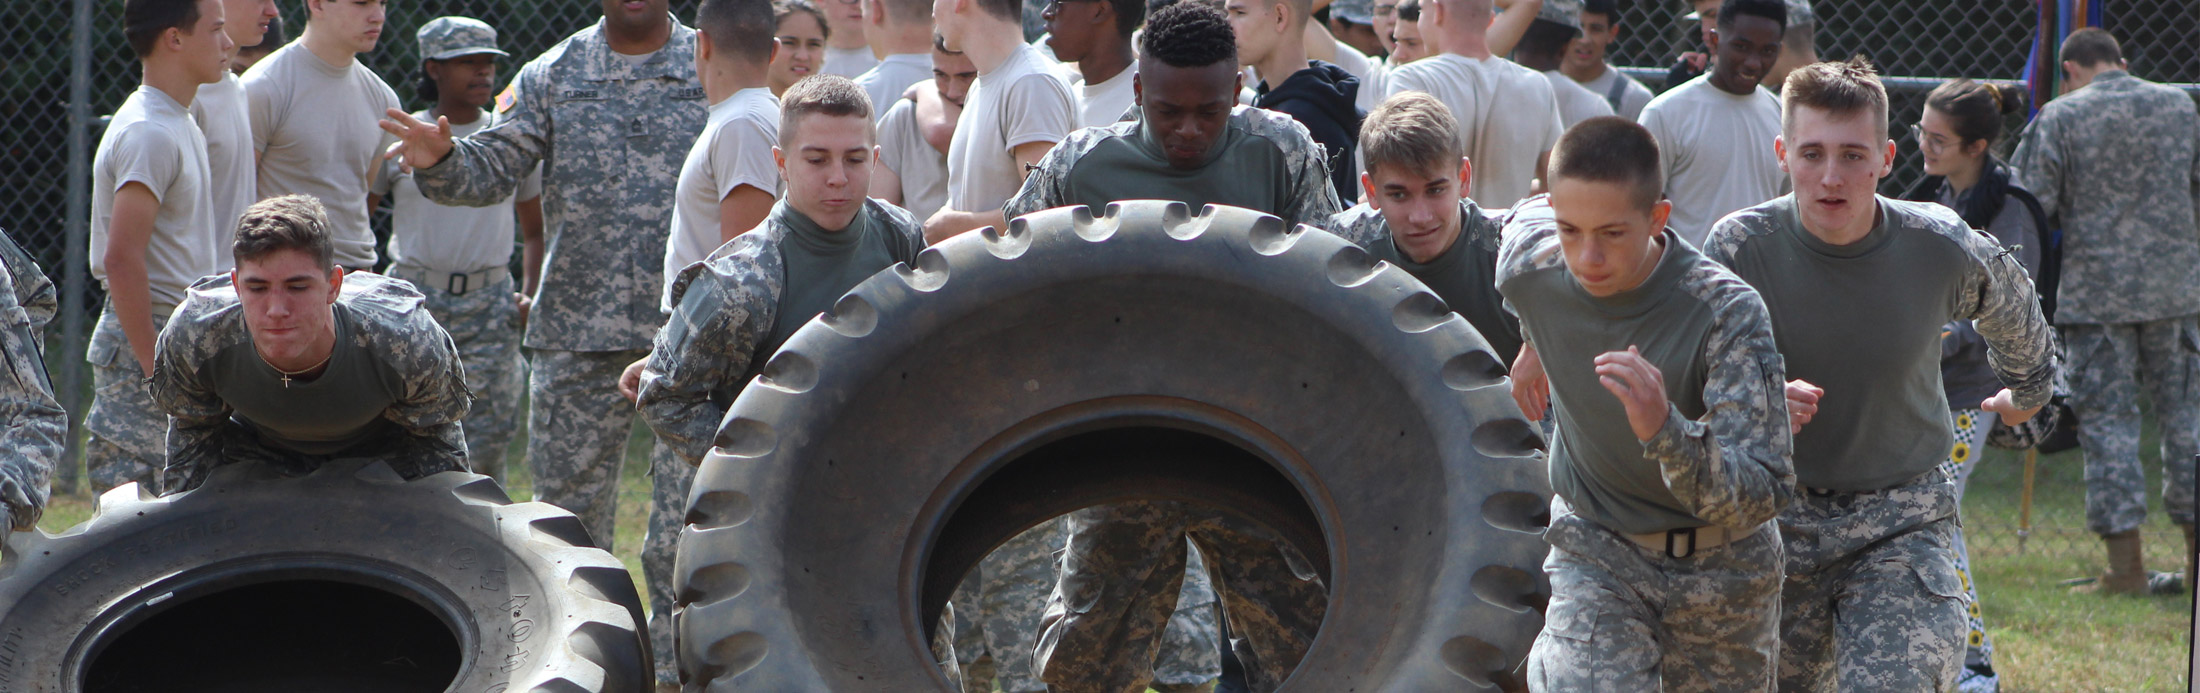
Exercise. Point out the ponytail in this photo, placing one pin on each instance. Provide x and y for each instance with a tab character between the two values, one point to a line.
1976	109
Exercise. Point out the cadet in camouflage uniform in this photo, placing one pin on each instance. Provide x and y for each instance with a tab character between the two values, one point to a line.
1671	456
734	309
31	446
458	257
2114	163
1859	287
1108	611
305	363
610	134
1418	216
999	605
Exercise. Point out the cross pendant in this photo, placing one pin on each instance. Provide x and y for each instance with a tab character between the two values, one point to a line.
286	381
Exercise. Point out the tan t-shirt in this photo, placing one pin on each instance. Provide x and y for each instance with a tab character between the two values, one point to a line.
315	128
1716	149
887	81
152	141
449	238
225	116
1507	116
848	62
1106	103
922	169
1575	103
735	149
1021	101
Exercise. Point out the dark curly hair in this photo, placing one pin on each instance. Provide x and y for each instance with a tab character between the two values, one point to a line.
1188	34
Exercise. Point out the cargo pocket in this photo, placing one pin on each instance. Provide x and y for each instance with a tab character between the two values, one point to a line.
26	367
1570	619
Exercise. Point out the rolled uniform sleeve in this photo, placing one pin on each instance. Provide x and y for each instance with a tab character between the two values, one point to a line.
1313	199
1997	295
1048	185
486	167
434	401
1733	467
197	416
723	309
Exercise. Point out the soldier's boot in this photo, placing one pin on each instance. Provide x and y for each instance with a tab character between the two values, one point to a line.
1207	687
2127	573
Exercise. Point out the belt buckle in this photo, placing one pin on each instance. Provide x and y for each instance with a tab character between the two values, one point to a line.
458	284
1670	543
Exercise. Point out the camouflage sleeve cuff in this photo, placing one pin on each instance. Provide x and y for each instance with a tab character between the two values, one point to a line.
1681	441
21	516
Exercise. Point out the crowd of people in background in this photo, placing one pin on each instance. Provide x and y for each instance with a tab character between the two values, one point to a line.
1767	384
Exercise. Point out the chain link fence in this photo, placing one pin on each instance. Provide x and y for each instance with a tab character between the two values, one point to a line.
65	63
1918	45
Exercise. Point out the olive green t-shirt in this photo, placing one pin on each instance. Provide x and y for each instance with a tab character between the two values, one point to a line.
824	265
1263	161
1464	275
339	410
1863	321
1721	457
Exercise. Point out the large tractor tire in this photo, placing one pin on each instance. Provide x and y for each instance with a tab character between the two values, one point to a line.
1226	359
347	578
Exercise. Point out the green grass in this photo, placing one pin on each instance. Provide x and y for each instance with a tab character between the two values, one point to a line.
2048	639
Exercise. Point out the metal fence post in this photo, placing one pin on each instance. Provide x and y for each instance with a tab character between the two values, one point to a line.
75	266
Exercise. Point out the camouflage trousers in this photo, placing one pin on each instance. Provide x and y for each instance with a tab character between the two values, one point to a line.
577	425
1872	600
128	438
484	323
999	607
1626	618
1971	427
2110	366
1105	618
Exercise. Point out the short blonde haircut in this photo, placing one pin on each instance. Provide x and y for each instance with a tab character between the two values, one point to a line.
1841	89
1411	131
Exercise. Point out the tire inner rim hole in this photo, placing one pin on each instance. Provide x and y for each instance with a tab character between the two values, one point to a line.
1117	465
284	635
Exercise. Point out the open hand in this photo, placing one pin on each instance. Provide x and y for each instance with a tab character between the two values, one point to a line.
421	144
1639	387
2004	404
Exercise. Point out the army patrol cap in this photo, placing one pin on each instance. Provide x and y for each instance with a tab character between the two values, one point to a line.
449	37
1566	13
1354	11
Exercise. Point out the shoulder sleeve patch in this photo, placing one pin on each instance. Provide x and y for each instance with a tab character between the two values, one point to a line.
508	97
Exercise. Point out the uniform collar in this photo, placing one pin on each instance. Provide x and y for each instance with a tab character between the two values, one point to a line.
676	59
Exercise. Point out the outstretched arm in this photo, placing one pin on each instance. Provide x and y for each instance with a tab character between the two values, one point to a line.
198	419
435	401
1999	298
